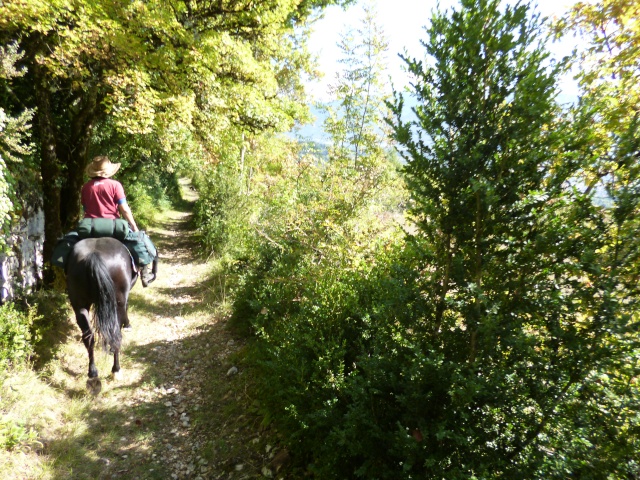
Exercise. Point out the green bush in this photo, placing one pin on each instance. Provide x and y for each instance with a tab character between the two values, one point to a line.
16	436
500	339
360	384
328	272
16	335
51	329
239	202
314	261
149	192
221	212
317	328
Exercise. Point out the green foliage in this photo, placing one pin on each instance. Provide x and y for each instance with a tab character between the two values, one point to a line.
499	339
149	191
16	334
14	146
322	322
529	298
26	333
321	238
169	79
360	91
48	337
16	436
221	210
229	202
607	146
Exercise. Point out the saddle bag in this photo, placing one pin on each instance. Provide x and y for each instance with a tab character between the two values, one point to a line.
141	247
63	248
103	227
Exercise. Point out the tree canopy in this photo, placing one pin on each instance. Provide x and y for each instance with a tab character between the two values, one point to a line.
178	73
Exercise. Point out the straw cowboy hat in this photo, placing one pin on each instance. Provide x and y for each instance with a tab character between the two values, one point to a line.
101	167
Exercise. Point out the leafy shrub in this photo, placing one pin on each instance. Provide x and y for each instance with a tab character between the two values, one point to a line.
221	212
317	330
324	275
50	330
16	336
16	436
500	341
150	191
362	386
238	203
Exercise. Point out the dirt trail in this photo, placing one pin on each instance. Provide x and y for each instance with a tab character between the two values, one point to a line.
180	410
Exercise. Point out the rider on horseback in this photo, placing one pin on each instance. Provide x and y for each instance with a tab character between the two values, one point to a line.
103	197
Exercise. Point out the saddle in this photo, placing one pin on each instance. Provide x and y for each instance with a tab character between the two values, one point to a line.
141	248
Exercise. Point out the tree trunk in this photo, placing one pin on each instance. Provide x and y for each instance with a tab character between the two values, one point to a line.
49	169
76	159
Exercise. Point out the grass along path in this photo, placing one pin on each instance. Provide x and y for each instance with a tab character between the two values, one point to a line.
180	410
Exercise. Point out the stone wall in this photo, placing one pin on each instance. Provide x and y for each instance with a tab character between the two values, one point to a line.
21	268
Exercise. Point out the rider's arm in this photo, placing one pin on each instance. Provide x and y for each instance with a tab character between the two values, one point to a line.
125	211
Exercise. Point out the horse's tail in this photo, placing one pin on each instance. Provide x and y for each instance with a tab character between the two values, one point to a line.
105	307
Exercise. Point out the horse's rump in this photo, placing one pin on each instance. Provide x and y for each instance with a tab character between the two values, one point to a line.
98	272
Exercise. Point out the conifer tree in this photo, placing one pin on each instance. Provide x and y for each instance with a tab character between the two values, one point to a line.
528	289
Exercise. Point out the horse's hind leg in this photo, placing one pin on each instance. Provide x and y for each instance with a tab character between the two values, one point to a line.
88	338
123	315
123	319
122	299
116	365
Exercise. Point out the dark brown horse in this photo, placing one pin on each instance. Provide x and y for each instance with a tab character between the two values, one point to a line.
100	274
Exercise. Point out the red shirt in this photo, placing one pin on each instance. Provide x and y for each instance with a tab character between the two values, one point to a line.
101	197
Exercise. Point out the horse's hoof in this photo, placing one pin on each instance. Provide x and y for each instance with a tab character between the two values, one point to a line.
94	385
127	328
117	375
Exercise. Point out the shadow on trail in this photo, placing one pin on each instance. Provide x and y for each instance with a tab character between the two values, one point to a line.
122	441
186	299
181	250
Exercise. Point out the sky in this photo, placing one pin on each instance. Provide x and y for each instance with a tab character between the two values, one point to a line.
402	22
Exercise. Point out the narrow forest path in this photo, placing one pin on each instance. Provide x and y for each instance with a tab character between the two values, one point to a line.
180	410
